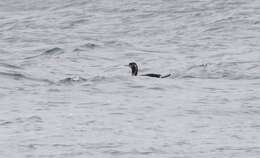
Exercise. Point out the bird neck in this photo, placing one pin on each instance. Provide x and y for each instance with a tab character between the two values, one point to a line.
134	71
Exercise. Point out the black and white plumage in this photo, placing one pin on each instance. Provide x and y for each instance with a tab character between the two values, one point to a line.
134	69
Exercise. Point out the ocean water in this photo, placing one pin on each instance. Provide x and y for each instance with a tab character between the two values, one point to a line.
65	91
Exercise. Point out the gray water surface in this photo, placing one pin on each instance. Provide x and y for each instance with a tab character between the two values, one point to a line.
65	91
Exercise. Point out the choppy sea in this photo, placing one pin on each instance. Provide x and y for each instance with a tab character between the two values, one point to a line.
65	91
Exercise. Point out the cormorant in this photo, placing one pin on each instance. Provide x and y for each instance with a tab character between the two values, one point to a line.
134	69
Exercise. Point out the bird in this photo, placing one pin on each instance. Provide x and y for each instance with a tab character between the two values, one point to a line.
134	69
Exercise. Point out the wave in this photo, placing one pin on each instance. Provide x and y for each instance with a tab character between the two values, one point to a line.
10	66
19	76
71	80
225	70
49	52
86	47
118	44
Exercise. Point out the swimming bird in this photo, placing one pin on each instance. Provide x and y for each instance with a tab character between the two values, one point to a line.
134	69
